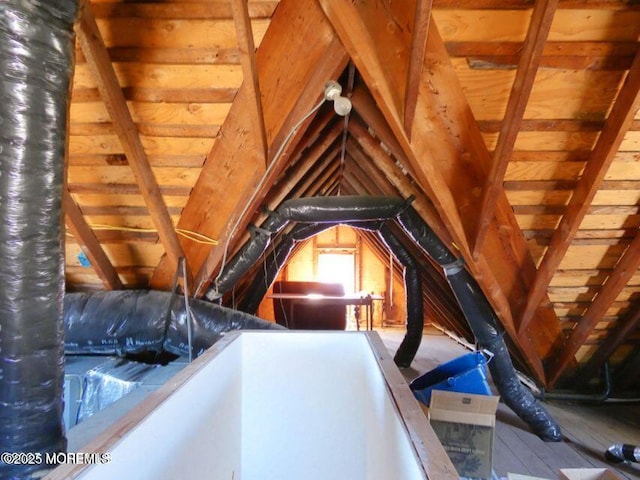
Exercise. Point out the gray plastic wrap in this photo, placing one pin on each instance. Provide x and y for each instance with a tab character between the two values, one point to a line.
109	382
341	209
135	321
36	66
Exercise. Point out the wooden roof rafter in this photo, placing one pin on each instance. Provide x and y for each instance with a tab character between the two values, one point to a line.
250	73
90	244
422	17
292	88
537	34
615	128
97	57
624	270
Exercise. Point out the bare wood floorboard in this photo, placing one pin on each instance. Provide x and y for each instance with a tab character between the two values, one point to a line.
589	430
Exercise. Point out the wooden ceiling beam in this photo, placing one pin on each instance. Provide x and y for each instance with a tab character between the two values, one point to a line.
361	161
366	108
537	34
421	20
448	155
603	153
383	74
247	49
624	270
614	339
89	244
99	62
232	183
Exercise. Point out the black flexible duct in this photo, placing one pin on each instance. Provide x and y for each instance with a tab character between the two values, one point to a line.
275	261
36	66
622	452
332	210
361	212
136	321
415	306
485	327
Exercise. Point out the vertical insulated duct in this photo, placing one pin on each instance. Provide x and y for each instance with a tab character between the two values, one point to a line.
36	67
415	304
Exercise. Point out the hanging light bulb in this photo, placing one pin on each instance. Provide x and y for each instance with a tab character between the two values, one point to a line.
332	92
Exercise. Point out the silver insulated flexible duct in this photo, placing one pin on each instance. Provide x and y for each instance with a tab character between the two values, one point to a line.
36	66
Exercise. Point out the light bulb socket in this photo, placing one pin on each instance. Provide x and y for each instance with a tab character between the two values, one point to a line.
342	105
332	89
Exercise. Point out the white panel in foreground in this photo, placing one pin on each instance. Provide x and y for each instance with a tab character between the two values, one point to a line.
275	405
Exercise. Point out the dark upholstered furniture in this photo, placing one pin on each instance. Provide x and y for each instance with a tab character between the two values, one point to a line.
307	314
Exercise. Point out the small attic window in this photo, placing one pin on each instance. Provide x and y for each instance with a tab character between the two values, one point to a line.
337	268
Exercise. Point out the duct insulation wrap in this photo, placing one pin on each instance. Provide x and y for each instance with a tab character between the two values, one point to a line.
36	67
489	336
135	321
275	261
332	210
622	452
485	327
415	306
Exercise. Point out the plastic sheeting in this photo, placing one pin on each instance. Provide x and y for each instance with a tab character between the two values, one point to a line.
109	382
36	65
135	321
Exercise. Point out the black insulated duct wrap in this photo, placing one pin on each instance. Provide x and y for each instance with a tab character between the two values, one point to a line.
36	67
489	336
135	321
333	210
275	261
415	306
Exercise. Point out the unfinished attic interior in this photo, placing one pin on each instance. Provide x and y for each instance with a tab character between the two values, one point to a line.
167	168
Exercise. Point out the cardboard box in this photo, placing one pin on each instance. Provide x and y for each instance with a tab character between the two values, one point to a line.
587	474
465	425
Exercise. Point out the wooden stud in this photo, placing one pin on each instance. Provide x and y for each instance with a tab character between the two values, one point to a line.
416	60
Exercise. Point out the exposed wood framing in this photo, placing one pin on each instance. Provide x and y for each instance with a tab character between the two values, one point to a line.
420	32
613	340
250	72
603	154
290	88
98	59
89	243
528	67
435	154
624	270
